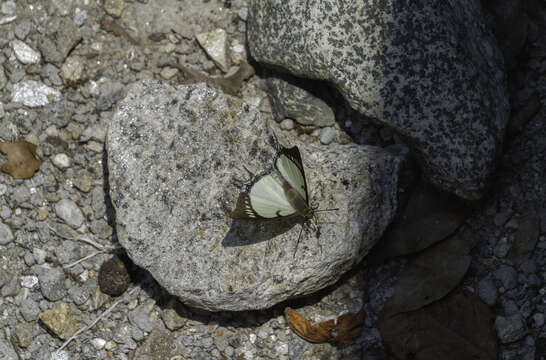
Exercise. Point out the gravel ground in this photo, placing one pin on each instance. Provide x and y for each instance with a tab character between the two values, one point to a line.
64	64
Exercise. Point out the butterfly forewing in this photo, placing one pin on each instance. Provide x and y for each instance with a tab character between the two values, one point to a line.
290	166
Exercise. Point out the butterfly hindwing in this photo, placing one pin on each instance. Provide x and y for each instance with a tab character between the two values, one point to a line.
289	164
266	199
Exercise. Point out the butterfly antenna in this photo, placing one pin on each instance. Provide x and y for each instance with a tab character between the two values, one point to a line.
319	210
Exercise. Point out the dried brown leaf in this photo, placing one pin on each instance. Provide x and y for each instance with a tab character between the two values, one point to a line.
345	329
348	327
316	333
432	274
429	217
22	162
526	237
459	326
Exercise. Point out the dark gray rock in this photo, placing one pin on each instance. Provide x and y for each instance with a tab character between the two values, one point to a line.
487	291
51	282
290	101
431	73
6	350
140	318
6	235
173	156
29	309
109	94
61	36
510	329
507	275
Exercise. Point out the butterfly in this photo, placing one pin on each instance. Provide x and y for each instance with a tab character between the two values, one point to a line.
277	195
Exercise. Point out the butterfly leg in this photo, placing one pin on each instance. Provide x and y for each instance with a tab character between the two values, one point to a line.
298	242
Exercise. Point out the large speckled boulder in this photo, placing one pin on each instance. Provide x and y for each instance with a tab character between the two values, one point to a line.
174	154
429	70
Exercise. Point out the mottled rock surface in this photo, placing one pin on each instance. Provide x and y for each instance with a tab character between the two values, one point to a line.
431	73
172	187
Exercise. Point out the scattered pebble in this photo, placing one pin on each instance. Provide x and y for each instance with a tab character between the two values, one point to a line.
510	329
83	182
60	320
68	211
34	94
72	70
29	309
215	45
168	72
502	247
507	275
487	291
52	283
62	161
24	53
8	7
327	135
79	16
6	236
29	281
114	7
287	124
98	343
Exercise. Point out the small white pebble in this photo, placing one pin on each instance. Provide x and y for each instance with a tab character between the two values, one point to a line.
252	338
61	161
287	124
29	281
98	343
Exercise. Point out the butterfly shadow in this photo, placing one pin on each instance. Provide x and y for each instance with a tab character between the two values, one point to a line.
246	232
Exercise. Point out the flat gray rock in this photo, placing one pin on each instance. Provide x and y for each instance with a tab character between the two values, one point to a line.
174	155
431	73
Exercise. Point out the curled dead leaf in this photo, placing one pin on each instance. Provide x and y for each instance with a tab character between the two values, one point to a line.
345	329
348	327
317	333
22	162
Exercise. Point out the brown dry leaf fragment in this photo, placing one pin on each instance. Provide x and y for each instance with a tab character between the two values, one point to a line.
429	217
345	329
316	333
459	326
349	327
526	113
22	162
526	237
230	84
116	29
432	274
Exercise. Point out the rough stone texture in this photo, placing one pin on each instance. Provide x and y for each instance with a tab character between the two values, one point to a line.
173	156
432	73
290	101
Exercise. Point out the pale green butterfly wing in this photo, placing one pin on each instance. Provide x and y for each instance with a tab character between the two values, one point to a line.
290	166
266	199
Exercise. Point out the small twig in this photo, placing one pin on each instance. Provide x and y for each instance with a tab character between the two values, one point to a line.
80	238
91	255
106	312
